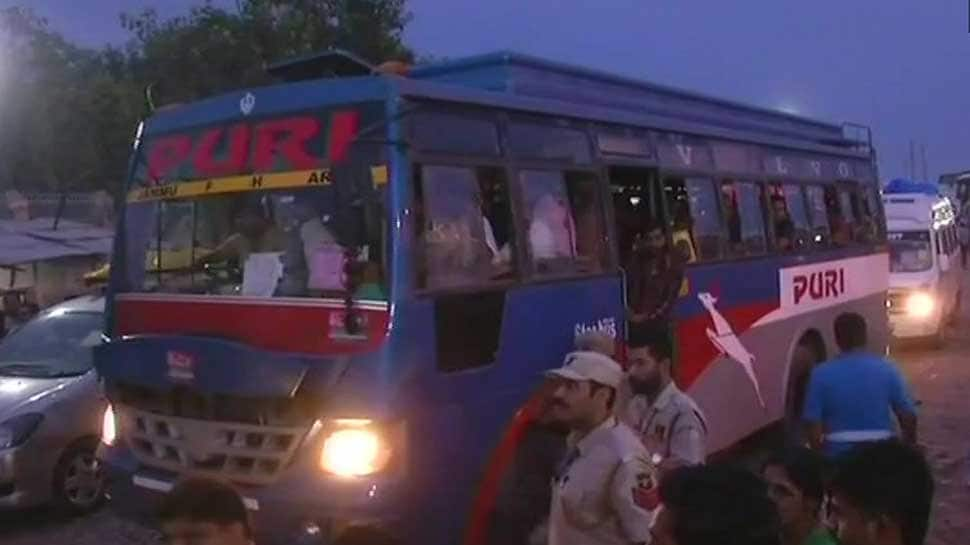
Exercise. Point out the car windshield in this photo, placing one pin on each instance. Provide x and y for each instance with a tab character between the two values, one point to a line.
54	344
910	251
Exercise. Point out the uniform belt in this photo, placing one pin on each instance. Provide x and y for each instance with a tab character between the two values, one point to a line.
859	436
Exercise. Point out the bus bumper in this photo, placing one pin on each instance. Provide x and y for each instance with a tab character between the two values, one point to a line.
300	509
903	326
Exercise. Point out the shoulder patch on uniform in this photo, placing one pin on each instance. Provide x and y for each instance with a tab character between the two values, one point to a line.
646	493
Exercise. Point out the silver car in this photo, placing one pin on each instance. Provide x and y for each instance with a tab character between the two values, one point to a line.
50	409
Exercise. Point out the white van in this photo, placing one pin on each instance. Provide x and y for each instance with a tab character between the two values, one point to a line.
925	274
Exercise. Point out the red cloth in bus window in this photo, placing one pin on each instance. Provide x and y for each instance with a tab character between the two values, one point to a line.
552	233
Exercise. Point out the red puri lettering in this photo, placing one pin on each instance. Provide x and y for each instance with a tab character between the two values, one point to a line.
819	285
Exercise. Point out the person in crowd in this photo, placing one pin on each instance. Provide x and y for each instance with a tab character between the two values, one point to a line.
850	399
255	233
654	277
796	484
715	505
601	493
882	494
667	420
204	512
963	232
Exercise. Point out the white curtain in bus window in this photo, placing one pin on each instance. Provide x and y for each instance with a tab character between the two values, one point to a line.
455	248
818	214
705	217
552	228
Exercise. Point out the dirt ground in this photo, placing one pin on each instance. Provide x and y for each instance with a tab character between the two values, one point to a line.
940	380
941	383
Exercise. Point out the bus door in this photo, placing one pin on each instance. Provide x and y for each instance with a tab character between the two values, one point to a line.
636	204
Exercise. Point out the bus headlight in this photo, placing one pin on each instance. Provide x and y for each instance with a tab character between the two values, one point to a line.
109	427
355	448
920	305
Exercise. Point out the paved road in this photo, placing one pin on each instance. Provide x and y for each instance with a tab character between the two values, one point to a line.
941	381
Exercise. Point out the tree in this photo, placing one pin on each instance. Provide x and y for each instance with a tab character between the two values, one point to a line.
69	113
212	50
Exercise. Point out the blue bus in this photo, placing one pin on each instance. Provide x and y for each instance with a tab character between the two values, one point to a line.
339	292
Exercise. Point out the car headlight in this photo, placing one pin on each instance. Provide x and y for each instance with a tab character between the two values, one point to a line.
356	448
920	304
15	431
109	427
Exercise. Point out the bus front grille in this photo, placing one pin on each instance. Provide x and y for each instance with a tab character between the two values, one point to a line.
241	453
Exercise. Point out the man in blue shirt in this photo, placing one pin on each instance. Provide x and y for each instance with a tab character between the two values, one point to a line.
851	399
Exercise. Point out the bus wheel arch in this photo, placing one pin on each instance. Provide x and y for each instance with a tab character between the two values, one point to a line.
806	354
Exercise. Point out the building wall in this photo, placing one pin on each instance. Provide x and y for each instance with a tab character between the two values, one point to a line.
50	282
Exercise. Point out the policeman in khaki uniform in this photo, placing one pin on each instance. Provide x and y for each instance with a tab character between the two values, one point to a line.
669	423
605	490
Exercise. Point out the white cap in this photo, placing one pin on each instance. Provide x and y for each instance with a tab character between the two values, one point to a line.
596	341
592	366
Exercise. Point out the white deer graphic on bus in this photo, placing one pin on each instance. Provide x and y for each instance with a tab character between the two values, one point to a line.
727	342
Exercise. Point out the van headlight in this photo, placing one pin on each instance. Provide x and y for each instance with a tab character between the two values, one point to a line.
358	447
109	427
920	304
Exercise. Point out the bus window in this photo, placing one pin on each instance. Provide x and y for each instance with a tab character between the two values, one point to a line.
535	141
745	219
789	217
696	217
634	205
839	212
873	201
464	230
450	133
565	221
818	213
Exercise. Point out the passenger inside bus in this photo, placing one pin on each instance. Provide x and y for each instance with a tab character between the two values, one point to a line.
496	216
840	216
784	227
255	232
458	245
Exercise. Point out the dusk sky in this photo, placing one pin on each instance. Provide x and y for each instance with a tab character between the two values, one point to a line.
900	66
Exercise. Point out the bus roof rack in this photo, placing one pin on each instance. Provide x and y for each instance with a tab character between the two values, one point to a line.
332	63
532	77
902	185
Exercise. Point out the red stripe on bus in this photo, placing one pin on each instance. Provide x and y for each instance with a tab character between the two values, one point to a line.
502	459
282	327
696	352
343	129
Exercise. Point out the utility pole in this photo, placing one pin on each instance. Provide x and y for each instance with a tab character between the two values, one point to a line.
926	176
912	160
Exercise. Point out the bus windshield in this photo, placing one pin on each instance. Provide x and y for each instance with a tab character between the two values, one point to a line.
259	210
910	251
